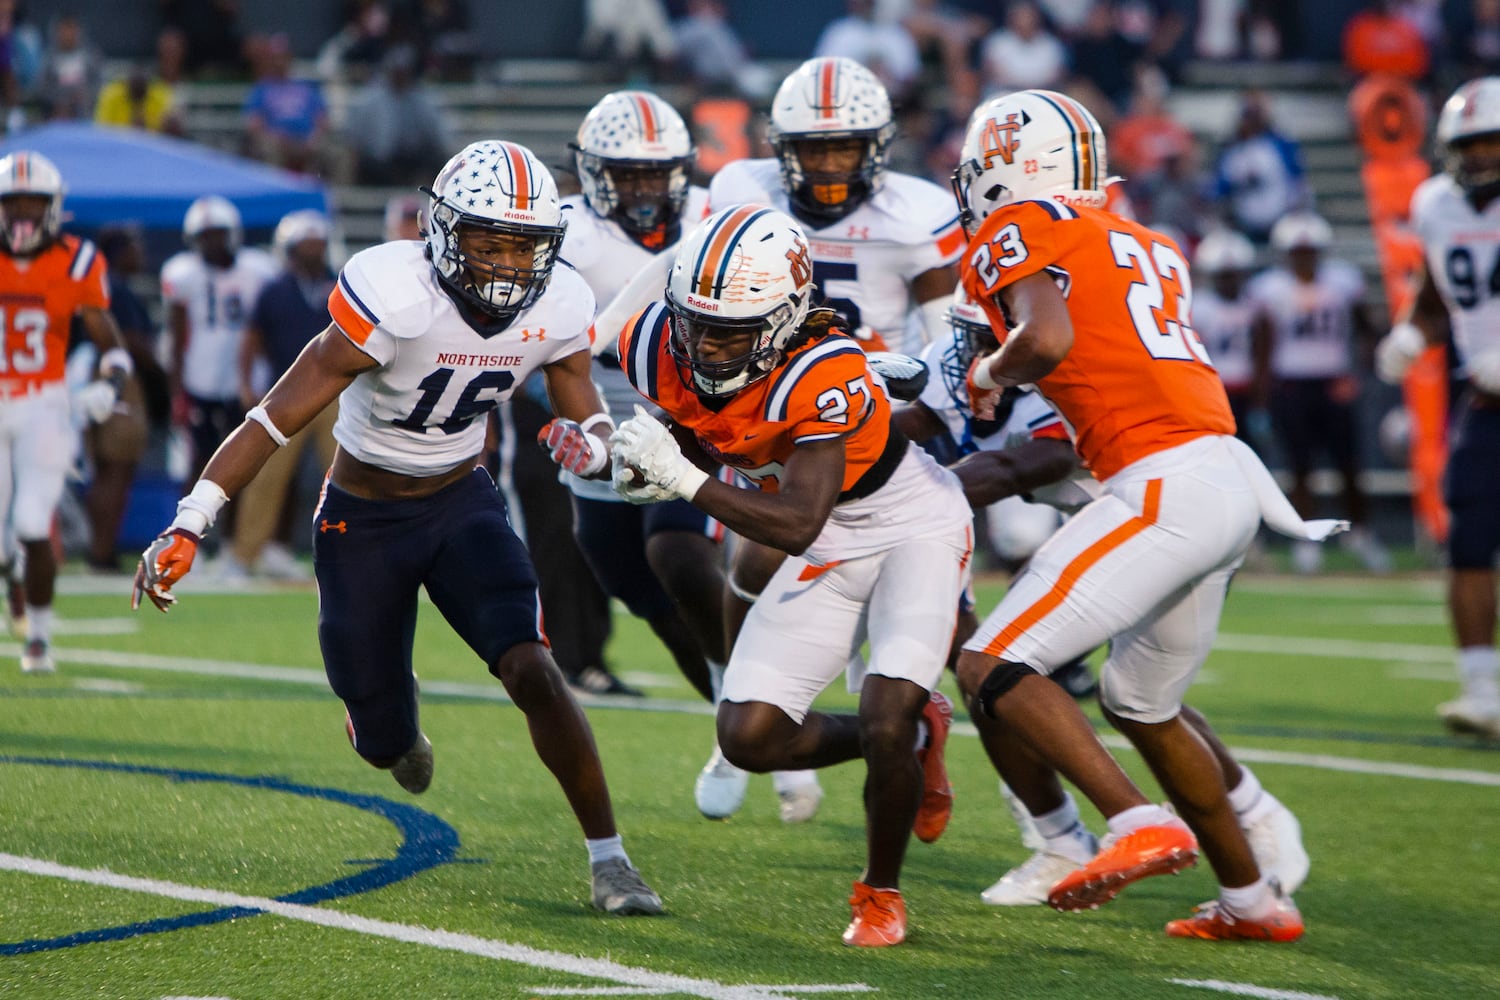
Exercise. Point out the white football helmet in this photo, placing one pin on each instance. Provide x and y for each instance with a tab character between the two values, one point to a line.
1033	144
1472	111
498	187
743	270
303	224
26	173
1224	250
212	212
634	132
1301	231
825	99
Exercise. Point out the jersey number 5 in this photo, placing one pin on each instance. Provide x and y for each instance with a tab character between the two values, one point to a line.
1164	332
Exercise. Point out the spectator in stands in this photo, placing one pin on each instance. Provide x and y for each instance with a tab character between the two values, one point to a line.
951	33
1380	39
1104	57
714	57
211	29
1148	135
403	218
1258	176
396	126
171	61
290	310
116	444
628	37
138	100
1022	55
884	48
1476	40
359	46
440	30
13	51
70	72
286	119
1068	17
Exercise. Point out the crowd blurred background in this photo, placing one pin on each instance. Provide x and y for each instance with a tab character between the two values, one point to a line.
1221	115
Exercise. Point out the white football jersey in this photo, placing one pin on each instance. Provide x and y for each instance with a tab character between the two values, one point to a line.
864	263
1312	323
218	303
1031	417
1463	256
607	258
1224	326
422	411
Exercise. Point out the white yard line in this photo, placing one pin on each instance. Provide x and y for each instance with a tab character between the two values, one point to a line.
646	982
1249	990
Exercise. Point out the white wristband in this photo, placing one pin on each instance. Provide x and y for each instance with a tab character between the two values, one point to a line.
598	418
691	481
196	511
260	416
116	357
982	378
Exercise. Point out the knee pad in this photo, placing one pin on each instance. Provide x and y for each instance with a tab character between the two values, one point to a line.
1005	676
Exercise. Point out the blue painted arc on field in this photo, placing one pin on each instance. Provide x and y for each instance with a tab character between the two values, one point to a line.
426	842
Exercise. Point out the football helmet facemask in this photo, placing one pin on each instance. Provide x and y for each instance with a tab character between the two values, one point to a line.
498	188
27	174
743	273
972	336
826	100
1471	113
1033	144
634	158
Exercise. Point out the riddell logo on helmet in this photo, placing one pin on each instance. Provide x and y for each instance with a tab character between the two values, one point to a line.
704	304
511	213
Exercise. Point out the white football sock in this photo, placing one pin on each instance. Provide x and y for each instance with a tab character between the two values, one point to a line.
605	849
1479	668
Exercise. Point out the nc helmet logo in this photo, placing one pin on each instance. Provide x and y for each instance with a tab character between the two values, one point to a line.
1003	138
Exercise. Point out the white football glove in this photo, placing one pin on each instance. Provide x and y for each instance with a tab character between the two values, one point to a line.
644	444
1484	371
630	485
1397	351
96	401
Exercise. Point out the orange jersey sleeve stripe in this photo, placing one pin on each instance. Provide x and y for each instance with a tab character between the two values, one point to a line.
951	242
1081	564
344	307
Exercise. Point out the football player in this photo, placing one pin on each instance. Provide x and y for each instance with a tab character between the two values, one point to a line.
1309	311
209	290
879	535
425	341
48	279
634	156
1457	215
1097	310
1224	315
883	246
1023	451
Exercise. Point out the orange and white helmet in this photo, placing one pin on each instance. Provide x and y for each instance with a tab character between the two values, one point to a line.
744	269
212	212
634	131
1472	111
498	187
1033	144
27	173
1224	250
825	99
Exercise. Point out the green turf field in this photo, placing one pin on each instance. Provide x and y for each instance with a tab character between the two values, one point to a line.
182	817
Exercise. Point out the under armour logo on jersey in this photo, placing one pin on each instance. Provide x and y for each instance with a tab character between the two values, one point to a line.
325	526
540	335
859	232
1002	139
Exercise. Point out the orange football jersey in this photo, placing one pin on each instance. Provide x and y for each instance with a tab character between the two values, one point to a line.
1137	379
39	296
823	389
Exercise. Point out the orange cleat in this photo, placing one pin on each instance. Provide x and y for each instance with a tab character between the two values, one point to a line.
879	917
937	793
1150	850
1213	922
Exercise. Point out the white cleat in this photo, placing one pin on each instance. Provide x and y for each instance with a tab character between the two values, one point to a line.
1471	716
800	802
720	788
36	658
1276	841
1029	882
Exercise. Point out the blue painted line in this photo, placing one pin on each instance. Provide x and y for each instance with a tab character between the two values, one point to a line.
426	842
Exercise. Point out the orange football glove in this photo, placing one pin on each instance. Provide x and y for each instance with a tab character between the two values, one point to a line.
164	562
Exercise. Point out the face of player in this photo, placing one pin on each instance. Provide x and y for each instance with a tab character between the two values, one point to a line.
726	348
1304	261
1480	157
1228	283
214	247
830	165
500	266
309	255
23	219
643	193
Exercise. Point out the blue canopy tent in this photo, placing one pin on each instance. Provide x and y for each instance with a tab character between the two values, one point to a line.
120	175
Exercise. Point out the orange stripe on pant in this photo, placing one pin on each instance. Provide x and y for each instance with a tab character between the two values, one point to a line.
1080	565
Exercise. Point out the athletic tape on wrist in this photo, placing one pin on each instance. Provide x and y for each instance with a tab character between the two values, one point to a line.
116	357
260	416
197	511
597	418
